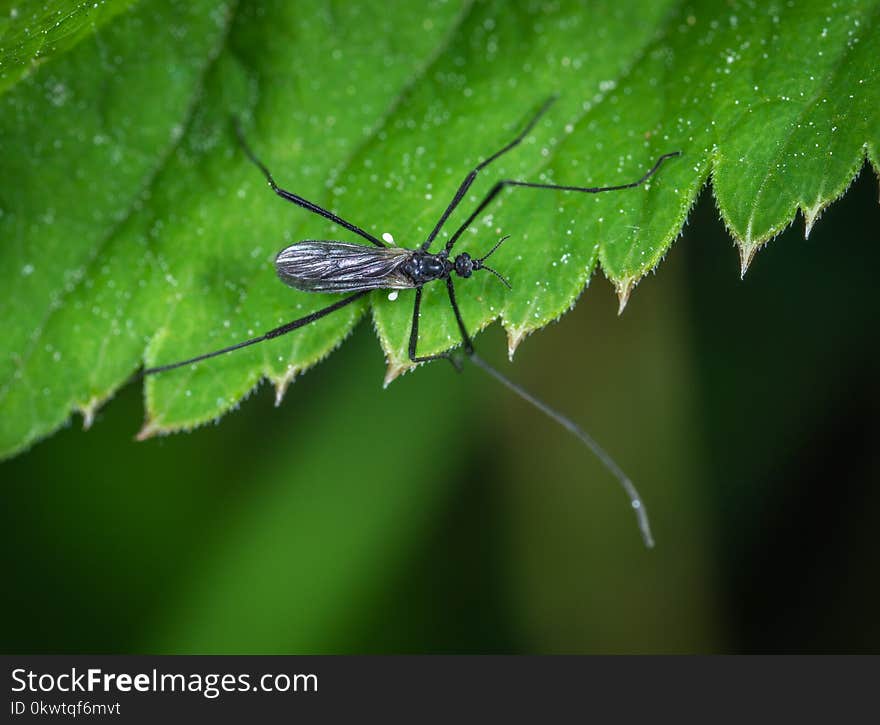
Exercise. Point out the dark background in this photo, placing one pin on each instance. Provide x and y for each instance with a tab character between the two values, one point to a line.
443	515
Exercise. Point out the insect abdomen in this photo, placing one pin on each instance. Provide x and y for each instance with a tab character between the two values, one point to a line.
318	266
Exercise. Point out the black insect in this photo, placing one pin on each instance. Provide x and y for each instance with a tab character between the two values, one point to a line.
326	266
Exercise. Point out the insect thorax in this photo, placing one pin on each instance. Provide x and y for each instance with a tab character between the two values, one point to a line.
423	267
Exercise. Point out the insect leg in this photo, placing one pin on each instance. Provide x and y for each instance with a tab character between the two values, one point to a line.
465	338
607	461
295	198
277	332
469	179
629	488
584	189
414	338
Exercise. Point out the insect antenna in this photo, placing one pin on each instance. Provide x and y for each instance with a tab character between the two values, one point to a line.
497	274
492	251
629	488
478	263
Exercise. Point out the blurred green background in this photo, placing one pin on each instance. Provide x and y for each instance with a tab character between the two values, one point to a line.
443	515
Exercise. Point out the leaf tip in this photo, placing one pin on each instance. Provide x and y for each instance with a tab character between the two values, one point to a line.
747	251
148	430
88	410
281	385
514	337
811	215
393	371
624	289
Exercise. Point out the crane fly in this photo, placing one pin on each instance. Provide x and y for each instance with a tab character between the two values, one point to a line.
356	269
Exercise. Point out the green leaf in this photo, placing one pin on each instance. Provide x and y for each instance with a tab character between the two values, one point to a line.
155	242
34	31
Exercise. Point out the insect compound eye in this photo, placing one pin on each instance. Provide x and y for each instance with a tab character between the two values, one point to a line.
464	265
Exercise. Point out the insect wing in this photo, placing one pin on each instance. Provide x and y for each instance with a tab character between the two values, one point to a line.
316	266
